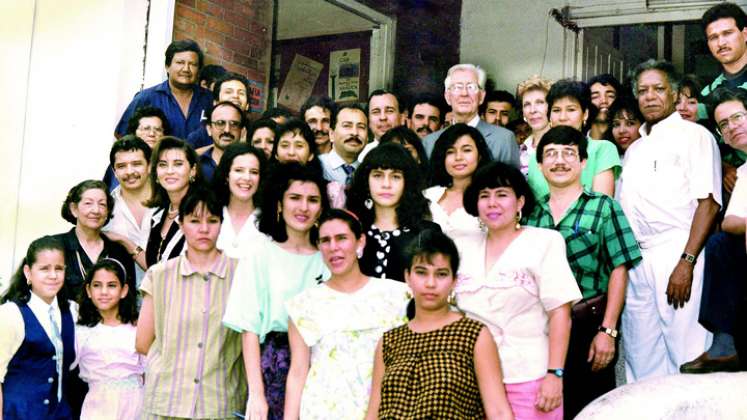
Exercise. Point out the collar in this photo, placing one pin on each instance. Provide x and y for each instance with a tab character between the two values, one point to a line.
544	201
36	304
218	269
336	161
474	121
164	87
672	119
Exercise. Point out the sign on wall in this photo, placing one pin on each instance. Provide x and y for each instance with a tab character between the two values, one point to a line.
256	96
299	83
344	75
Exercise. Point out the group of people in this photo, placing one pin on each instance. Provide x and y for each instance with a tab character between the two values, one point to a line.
389	261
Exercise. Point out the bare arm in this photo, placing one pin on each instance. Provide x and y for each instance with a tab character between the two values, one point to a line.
256	405
378	376
604	182
551	391
146	328
299	369
678	289
602	348
129	246
490	378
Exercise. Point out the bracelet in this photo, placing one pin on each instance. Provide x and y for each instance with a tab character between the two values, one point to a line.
138	250
609	331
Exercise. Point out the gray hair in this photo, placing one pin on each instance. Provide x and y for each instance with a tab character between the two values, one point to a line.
660	65
479	72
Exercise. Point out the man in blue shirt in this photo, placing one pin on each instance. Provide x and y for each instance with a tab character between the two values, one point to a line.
179	97
225	122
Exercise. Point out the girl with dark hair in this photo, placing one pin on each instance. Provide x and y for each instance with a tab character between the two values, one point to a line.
413	144
262	135
278	268
174	167
37	344
440	365
624	119
386	195
89	206
105	345
237	184
333	327
458	153
518	282
295	142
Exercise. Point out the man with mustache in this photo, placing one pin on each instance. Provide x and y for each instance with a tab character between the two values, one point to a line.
600	247
231	87
497	107
225	122
317	111
179	97
726	36
604	90
671	193
425	115
349	136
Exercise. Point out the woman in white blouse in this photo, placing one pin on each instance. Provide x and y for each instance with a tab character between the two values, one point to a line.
236	182
517	281
458	153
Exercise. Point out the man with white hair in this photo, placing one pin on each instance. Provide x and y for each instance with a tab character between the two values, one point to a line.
464	92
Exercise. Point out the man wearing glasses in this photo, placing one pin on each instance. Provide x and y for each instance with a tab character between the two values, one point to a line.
225	121
671	194
464	92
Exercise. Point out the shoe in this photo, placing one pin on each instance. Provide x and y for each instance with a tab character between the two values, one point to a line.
705	364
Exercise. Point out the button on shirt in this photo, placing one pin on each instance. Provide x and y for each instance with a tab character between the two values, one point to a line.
332	166
160	96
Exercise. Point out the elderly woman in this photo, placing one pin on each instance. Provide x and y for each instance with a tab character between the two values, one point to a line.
532	94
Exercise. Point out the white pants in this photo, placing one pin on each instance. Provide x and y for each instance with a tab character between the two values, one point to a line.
658	338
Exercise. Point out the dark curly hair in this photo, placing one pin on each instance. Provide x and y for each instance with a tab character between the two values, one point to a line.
404	135
146	112
20	290
497	175
76	194
88	314
280	179
220	179
445	141
159	197
412	206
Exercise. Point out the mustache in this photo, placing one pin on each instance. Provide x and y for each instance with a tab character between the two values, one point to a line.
227	135
425	129
320	133
353	138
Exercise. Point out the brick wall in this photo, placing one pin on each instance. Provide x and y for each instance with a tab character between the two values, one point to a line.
237	34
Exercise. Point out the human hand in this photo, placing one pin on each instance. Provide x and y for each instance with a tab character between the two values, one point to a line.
601	351
730	176
550	393
680	281
256	407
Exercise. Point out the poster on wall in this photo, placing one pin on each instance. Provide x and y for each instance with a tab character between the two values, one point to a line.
344	75
299	83
256	96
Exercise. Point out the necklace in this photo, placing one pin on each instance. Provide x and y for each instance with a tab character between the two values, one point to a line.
172	213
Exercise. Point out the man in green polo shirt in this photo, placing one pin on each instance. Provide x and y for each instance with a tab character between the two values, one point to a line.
600	247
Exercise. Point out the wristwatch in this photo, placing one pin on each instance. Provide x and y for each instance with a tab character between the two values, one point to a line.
556	372
135	252
609	331
688	257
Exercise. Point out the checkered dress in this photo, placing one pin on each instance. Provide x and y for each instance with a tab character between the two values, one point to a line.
431	375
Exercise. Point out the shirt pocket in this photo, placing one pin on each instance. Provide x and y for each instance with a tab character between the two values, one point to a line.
582	249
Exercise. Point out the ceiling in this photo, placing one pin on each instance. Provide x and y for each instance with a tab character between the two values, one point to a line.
308	18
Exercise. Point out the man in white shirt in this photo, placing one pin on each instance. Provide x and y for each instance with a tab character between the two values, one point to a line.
384	113
671	193
349	136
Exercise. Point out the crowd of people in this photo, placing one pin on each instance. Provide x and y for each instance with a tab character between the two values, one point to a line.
478	255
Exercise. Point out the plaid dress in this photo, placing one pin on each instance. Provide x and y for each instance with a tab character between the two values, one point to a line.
431	375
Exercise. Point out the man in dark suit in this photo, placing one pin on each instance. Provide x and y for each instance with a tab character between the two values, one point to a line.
464	92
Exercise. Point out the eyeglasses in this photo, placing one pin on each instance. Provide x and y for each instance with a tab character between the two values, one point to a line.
469	87
222	124
736	118
569	155
150	128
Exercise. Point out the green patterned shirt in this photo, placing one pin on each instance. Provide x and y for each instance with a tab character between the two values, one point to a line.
597	235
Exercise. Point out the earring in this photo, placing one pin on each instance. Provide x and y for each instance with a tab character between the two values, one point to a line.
316	224
518	221
280	211
408	294
368	203
359	252
452	299
481	224
191	179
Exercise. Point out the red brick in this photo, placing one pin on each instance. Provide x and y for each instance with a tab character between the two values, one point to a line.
210	8
228	5
188	3
211	35
239	33
184	25
239	19
246	9
235	68
238	46
218	25
214	49
190	14
178	35
227	55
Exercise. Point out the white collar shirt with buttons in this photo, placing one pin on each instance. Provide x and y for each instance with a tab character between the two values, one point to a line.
332	166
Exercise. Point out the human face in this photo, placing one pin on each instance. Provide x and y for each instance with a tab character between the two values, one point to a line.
105	290
687	105
131	169
462	158
602	96
201	229
225	126
733	131
292	147
351	133
319	119
464	94
47	274
183	69
567	111
561	165
91	211
150	129
386	187
625	130
498	113
656	98
522	131
498	208
534	108
234	91
243	177
339	246
301	207
383	114
725	41
173	170
431	282
263	139
425	119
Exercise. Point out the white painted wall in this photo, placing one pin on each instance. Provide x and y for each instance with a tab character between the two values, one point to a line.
69	69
